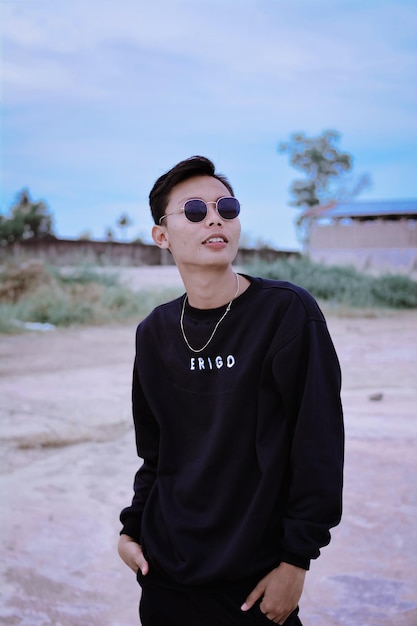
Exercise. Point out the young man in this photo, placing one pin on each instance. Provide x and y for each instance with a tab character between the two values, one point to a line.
236	406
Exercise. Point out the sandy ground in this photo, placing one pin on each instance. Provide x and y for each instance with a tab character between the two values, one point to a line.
68	461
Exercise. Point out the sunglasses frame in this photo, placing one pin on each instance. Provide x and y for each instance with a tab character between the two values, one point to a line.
183	210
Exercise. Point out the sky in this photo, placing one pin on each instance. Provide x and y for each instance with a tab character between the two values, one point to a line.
100	97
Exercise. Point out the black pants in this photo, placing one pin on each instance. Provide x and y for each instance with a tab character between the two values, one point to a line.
160	606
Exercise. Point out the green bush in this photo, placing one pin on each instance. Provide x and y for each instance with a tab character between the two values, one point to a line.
40	294
395	291
342	285
84	275
34	292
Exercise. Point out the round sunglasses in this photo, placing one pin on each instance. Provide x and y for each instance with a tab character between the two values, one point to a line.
195	210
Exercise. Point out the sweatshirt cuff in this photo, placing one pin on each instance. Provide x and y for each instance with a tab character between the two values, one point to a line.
132	529
295	559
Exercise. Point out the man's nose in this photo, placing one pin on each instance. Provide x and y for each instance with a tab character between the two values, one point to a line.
213	216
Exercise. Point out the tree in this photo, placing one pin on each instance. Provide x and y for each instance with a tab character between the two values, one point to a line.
325	168
85	235
109	234
10	230
123	223
327	175
27	220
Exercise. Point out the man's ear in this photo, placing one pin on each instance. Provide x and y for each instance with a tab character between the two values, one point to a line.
160	236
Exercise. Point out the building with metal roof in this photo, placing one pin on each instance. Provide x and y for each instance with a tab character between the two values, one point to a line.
374	236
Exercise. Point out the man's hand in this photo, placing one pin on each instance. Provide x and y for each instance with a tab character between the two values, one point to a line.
131	553
281	590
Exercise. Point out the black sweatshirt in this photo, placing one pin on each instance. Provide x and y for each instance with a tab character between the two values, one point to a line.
242	443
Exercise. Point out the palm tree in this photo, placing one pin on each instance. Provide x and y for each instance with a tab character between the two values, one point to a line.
123	223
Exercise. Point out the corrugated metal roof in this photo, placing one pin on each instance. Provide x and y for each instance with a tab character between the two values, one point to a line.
383	208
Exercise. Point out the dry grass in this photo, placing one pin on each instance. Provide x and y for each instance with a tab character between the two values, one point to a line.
36	293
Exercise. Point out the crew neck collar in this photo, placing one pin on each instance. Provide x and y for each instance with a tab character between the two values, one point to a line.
191	311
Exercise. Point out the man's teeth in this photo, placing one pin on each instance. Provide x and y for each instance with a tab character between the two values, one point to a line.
215	240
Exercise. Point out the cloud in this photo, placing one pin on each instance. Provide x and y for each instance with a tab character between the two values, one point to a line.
99	94
92	48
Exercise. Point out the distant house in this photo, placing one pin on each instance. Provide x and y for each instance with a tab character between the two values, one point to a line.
374	236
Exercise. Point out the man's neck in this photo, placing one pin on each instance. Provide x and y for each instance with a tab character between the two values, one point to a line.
212	288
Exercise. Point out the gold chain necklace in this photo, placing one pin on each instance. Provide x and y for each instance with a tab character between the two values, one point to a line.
216	326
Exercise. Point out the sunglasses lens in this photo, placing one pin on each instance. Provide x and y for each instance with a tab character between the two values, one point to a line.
195	210
228	208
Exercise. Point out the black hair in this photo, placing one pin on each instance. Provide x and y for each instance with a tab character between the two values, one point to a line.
194	166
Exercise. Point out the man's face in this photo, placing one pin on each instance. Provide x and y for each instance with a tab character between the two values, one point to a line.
213	241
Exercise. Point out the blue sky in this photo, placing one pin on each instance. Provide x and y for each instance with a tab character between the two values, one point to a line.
99	97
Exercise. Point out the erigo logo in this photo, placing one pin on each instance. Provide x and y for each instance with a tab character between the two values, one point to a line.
211	363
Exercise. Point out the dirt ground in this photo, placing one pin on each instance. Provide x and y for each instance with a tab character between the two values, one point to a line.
68	460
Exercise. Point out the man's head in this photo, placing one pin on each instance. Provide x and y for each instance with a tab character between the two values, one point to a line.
190	168
196	215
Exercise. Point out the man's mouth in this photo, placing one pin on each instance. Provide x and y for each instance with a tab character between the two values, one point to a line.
215	239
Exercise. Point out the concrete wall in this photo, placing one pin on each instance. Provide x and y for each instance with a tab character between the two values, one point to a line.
366	234
69	252
372	245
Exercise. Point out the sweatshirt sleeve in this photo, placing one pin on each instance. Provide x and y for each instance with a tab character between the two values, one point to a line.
308	375
147	445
